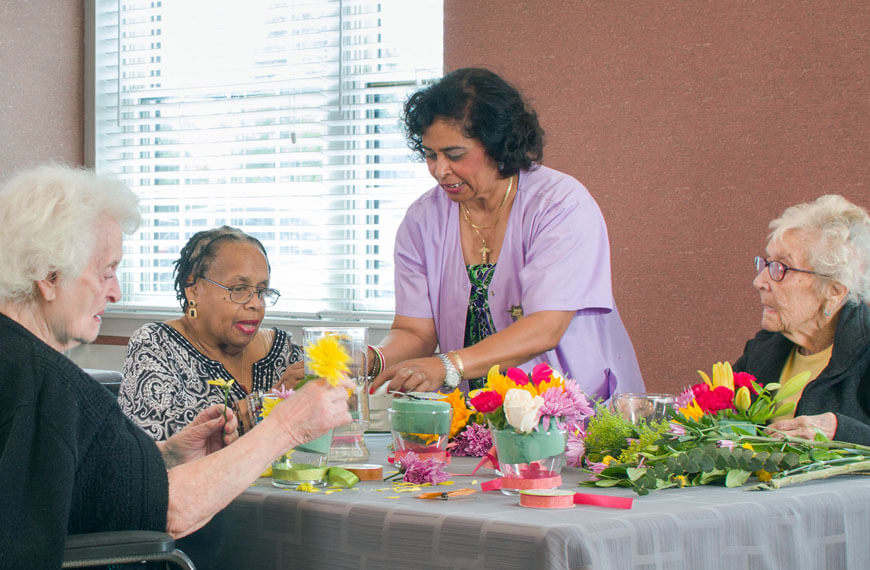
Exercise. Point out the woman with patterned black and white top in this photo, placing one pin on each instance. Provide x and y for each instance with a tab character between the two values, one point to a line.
222	284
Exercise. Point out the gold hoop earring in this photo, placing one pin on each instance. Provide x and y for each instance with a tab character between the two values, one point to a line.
191	308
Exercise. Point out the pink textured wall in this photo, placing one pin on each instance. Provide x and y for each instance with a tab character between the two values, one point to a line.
693	124
41	98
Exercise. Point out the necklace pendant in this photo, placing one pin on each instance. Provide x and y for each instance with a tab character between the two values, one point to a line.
484	253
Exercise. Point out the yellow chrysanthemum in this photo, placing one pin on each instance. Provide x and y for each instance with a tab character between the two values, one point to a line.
328	359
748	446
268	405
555	380
461	411
608	459
764	476
221	383
498	382
682	480
692	411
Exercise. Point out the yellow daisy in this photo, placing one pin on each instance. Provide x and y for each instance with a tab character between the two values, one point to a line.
328	359
461	412
692	411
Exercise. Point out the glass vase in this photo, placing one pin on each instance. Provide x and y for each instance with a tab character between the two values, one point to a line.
304	463
531	460
421	426
348	443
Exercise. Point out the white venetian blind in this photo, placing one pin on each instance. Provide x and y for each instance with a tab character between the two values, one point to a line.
277	117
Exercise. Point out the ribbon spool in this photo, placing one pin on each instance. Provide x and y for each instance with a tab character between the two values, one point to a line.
365	472
547	499
440	455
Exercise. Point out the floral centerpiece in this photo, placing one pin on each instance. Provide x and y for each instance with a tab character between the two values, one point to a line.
716	434
529	415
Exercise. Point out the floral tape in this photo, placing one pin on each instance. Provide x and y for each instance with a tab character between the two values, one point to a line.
338	475
547	499
365	472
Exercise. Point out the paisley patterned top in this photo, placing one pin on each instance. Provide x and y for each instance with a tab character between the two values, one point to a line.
478	322
165	378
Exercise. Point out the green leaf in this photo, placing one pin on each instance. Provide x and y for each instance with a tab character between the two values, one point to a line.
607	482
711	476
792	386
635	473
736	477
784	409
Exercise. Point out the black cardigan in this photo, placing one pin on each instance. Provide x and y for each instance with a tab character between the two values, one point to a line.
843	387
70	461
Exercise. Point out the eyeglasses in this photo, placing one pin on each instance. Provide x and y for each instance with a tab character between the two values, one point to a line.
241	294
777	270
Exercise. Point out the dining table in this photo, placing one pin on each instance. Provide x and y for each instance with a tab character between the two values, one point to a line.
375	525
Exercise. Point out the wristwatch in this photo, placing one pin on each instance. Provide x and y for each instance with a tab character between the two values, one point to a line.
451	374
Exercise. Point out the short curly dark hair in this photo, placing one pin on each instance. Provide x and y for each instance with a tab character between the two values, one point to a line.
200	251
489	109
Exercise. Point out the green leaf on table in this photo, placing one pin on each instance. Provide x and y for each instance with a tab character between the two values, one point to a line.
736	477
607	482
711	476
635	473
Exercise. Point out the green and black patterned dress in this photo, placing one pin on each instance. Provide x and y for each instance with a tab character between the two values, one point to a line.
478	322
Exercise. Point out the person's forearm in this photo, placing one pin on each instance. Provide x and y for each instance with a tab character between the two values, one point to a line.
518	343
401	344
199	489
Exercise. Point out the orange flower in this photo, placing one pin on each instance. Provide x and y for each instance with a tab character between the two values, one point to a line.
461	412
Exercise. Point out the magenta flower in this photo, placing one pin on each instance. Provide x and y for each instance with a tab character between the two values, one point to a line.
474	441
541	373
575	447
418	470
518	376
685	398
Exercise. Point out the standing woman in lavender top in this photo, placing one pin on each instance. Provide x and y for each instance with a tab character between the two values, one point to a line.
505	261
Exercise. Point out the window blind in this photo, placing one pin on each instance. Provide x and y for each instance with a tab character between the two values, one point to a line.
277	117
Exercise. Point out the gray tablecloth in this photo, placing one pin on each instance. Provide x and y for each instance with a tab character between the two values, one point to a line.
816	525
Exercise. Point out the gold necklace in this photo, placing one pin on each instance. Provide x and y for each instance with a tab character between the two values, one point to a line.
484	248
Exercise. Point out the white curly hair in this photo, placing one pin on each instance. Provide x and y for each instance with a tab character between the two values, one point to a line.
837	235
48	217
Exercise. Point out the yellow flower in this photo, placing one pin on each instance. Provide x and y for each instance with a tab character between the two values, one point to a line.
748	446
221	383
682	480
461	412
498	382
763	475
328	359
692	411
268	405
608	459
742	399
555	380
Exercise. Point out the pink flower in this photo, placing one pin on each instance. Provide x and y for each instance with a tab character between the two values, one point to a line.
518	376
474	441
422	470
541	373
582	407
685	398
711	401
597	467
281	392
725	443
575	447
677	429
486	401
558	404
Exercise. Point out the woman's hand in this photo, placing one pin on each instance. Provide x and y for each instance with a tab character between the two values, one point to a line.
805	426
313	410
417	375
291	376
206	434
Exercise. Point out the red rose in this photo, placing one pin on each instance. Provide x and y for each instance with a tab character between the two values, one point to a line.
518	376
541	373
742	379
486	401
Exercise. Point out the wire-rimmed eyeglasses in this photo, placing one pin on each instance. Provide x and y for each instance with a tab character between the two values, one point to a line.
241	294
777	269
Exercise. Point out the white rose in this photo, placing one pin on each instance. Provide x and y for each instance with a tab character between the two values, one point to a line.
521	409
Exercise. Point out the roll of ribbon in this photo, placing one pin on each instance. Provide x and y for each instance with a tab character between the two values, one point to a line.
338	475
365	472
547	499
440	455
300	473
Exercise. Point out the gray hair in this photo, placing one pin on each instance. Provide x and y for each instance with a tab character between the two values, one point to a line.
47	221
837	235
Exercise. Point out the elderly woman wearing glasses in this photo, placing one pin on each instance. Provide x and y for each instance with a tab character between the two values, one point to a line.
222	284
814	286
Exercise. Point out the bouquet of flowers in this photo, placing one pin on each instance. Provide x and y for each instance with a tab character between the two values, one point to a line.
714	436
527	402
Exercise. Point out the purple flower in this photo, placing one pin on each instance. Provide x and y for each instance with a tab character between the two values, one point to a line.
281	392
567	404
422	470
725	443
685	398
575	447
677	429
581	403
474	441
597	467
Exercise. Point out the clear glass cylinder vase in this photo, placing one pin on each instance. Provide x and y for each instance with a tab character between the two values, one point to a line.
305	463
531	460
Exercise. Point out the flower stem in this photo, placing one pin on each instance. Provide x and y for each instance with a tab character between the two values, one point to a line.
859	467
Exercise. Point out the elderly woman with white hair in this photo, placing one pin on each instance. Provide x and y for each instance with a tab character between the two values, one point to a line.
70	461
815	284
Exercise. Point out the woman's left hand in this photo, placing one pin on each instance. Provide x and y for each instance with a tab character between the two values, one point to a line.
417	375
206	434
805	426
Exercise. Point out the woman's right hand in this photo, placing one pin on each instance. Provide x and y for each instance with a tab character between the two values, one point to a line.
313	410
292	375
